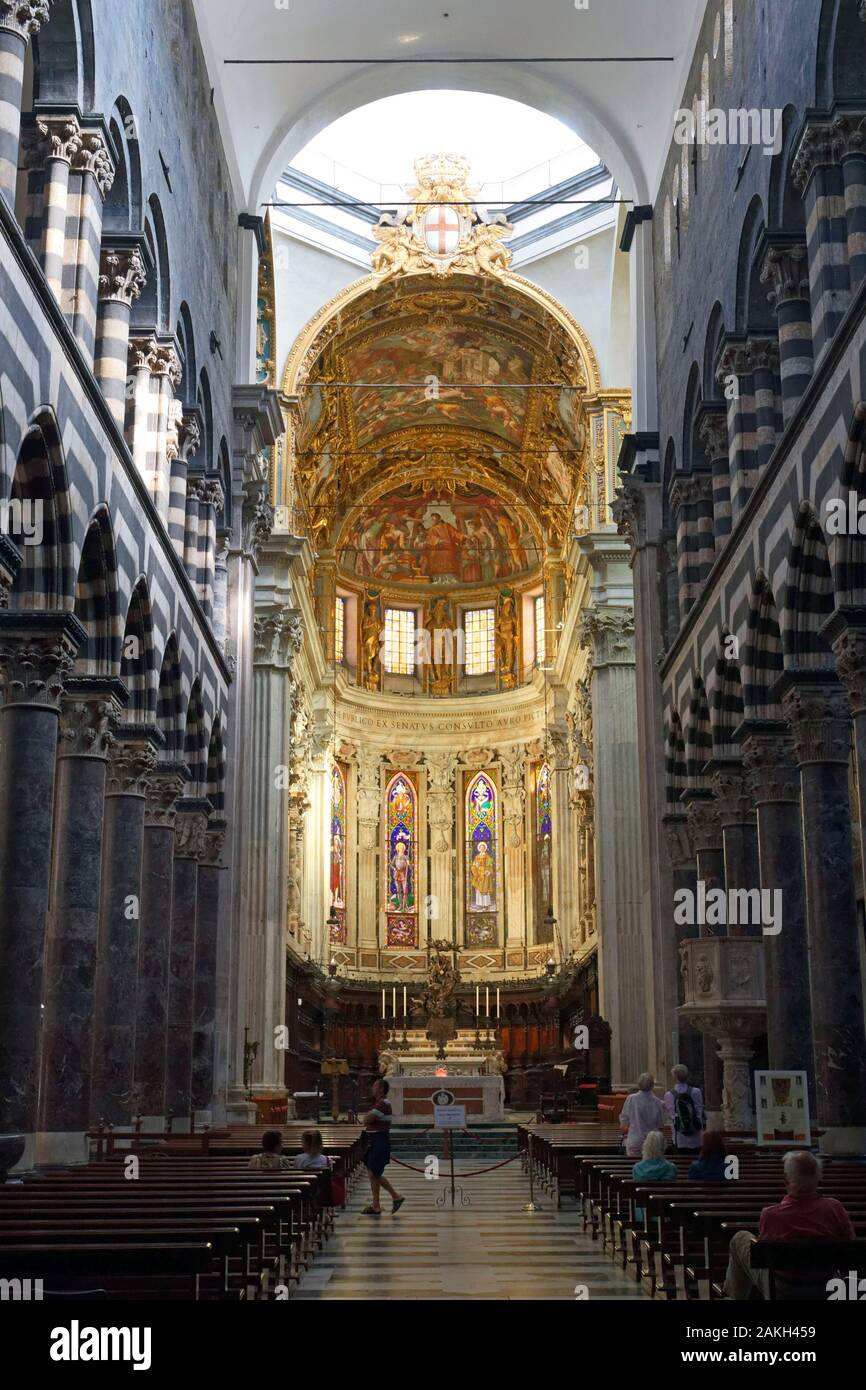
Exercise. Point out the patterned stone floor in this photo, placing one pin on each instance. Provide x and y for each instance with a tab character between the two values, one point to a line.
488	1250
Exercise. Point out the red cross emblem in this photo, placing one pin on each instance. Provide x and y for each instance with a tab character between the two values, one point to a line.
441	230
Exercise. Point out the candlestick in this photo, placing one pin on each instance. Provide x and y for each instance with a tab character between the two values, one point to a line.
394	1004
486	1001
477	1001
497	1001
404	1008
383	1006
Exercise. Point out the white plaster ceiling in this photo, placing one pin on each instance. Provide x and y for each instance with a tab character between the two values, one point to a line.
623	110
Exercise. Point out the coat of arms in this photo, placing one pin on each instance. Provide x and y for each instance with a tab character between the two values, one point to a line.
441	231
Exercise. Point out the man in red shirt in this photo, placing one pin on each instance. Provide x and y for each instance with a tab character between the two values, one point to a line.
803	1216
377	1149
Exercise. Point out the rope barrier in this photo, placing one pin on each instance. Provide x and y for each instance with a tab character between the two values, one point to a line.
476	1172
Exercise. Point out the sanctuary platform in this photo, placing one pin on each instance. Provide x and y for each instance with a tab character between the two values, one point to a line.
473	1073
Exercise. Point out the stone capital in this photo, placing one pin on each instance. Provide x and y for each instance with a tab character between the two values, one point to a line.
819	714
164	787
713	433
846	632
214	842
278	634
90	711
50	136
691	490
142	347
770	761
733	361
609	633
92	157
188	434
11	560
165	362
190	827
24	17
785	269
211	494
849	134
762	355
815	151
704	824
121	274
629	511
131	765
732	791
37	655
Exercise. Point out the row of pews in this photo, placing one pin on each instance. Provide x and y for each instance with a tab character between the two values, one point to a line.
675	1236
167	1221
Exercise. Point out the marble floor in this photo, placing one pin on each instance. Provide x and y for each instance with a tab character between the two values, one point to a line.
488	1250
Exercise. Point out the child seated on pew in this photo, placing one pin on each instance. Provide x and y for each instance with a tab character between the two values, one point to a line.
271	1155
653	1166
312	1155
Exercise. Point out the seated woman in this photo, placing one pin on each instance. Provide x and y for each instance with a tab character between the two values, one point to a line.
710	1166
653	1166
311	1155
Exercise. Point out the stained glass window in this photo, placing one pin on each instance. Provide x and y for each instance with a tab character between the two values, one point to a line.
543	855
339	629
338	854
401	814
478	624
481	866
540	644
400	641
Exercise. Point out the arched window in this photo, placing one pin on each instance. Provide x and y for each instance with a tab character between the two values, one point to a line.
482	887
401	870
543	855
338	855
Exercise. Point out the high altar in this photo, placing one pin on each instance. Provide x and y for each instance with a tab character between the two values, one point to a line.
415	1070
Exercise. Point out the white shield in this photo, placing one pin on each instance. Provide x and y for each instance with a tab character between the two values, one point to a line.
441	230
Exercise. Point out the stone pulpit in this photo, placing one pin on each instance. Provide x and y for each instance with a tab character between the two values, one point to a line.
725	998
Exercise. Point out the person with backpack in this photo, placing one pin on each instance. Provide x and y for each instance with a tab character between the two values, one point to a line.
685	1107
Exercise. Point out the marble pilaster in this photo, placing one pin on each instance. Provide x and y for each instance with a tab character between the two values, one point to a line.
369	797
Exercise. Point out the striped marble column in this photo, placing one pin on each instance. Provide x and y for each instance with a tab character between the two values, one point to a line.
849	130
140	421
739	833
89	712
93	175
786	271
211	500
121	280
734	375
54	153
132	762
19	21
165	374
713	434
210	877
692	502
818	176
194	489
151	1000
763	357
188	439
189	843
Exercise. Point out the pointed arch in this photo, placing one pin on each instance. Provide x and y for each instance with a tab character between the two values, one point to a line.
809	597
138	656
195	740
169	701
40	510
726	699
215	789
97	602
699	736
763	661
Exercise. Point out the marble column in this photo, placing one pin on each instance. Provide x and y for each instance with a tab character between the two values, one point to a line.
189	432
849	130
93	171
151	1003
846	630
19	21
786	270
818	711
563	858
516	849
90	710
713	433
133	760
52	142
190	827
211	502
739	833
165	375
36	656
279	634
768	757
705	833
210	875
121	280
609	632
817	175
369	799
139	424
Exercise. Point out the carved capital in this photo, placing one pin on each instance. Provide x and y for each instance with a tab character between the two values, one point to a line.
628	510
35	659
762	355
163	789
732	792
704	824
692	490
190	828
278	634
713	434
733	361
770	762
91	157
132	763
188	435
609	633
11	560
214	842
820	720
88	717
680	851
211	494
849	649
815	151
24	17
786	271
849	134
164	361
121	274
51	137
